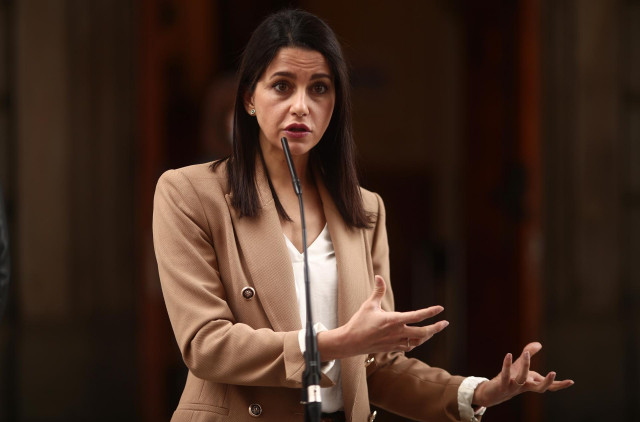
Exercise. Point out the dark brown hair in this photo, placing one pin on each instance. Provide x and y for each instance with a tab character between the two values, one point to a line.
334	155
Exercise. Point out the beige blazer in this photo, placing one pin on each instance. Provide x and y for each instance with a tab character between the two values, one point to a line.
242	353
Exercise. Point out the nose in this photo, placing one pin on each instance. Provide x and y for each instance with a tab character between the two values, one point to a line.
299	105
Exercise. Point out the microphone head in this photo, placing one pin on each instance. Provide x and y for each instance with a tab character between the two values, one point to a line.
285	147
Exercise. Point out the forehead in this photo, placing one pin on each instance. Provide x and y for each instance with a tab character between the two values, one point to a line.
298	60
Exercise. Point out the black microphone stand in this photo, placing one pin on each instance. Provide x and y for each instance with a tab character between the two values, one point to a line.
311	376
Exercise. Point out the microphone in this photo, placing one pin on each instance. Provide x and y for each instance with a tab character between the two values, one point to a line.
311	376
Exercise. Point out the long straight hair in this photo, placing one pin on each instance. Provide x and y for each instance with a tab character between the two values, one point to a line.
335	154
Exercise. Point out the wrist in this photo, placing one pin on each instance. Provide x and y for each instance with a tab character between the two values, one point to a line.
331	344
478	396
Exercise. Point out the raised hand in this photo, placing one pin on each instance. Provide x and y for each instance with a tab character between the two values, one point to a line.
372	330
516	378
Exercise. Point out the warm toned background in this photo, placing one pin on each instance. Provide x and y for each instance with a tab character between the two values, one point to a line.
512	128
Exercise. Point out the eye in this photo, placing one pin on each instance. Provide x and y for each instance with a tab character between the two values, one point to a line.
281	86
320	88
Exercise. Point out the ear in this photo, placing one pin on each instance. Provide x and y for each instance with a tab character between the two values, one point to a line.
248	101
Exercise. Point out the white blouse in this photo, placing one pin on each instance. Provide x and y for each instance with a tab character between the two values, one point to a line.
323	278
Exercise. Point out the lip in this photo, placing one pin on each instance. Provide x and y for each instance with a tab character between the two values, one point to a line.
297	130
297	127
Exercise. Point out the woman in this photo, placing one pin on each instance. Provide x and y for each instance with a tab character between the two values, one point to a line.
227	240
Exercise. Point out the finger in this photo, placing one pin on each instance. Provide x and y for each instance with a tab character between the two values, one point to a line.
546	383
419	315
505	374
536	377
521	377
532	348
409	344
403	345
422	334
560	385
379	290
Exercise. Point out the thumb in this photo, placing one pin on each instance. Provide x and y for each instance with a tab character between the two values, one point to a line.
378	290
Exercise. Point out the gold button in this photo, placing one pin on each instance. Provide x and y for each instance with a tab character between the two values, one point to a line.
255	410
369	361
248	293
372	416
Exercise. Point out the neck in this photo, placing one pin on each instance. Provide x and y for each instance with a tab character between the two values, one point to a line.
278	169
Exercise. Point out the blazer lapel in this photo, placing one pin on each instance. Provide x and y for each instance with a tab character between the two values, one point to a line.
354	286
264	251
348	243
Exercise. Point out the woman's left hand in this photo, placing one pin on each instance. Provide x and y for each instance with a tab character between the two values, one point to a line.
516	378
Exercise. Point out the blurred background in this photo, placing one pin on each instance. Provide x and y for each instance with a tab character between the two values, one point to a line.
504	136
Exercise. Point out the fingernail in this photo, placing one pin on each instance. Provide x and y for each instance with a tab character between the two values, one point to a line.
445	324
527	355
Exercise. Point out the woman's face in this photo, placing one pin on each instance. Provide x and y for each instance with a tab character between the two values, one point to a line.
293	98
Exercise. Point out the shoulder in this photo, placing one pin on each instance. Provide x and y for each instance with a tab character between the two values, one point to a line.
199	178
193	188
372	201
193	173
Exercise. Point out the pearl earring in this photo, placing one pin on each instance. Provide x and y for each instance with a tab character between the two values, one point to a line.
253	111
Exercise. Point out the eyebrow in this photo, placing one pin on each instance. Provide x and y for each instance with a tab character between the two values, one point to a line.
293	76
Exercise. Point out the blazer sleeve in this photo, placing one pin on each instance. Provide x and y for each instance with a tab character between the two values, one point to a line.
407	387
213	344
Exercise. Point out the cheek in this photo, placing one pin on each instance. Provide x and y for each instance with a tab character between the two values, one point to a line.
267	126
265	119
272	110
330	108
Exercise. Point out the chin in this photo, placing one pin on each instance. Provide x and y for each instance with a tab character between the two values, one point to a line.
300	148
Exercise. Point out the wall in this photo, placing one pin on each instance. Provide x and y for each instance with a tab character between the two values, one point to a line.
592	220
74	272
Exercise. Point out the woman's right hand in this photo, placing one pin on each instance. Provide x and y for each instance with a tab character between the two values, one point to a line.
373	330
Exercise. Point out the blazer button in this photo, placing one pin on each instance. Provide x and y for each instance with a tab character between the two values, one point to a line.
372	416
369	361
248	293
255	410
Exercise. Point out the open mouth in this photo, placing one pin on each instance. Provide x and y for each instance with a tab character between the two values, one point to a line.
297	128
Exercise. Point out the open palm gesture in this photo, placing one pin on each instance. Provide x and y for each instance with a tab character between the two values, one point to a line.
516	378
